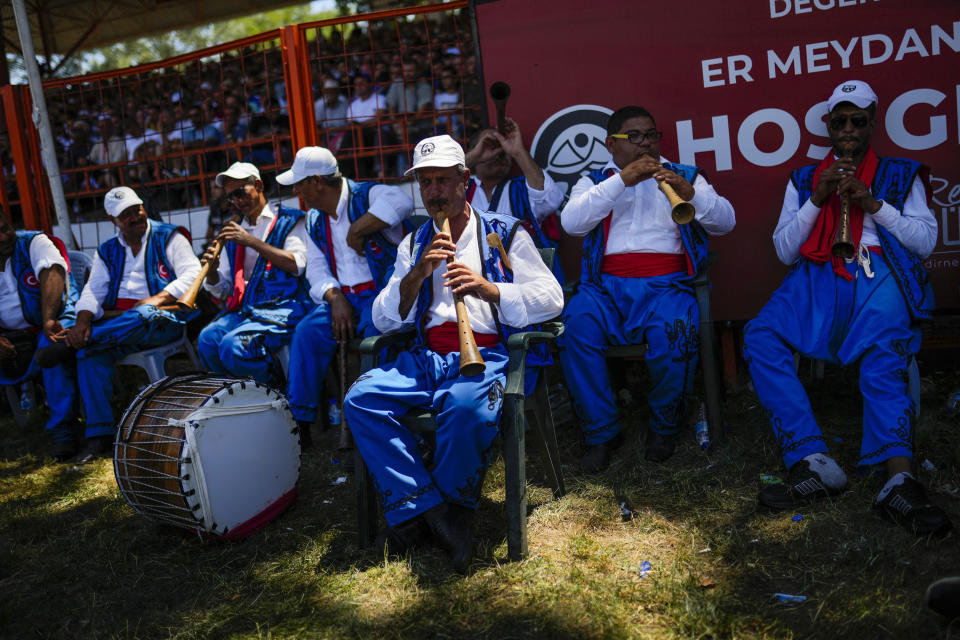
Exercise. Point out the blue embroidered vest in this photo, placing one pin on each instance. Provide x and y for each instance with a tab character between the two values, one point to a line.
381	253
158	272
28	282
493	270
891	183
693	235
272	295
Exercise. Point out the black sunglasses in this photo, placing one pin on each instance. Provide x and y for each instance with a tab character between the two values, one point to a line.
858	120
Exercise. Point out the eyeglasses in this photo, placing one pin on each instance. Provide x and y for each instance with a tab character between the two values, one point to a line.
858	120
637	137
239	193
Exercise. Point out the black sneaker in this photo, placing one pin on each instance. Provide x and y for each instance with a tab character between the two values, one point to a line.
660	446
943	596
63	450
802	486
907	505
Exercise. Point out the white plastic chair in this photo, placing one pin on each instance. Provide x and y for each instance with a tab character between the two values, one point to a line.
153	360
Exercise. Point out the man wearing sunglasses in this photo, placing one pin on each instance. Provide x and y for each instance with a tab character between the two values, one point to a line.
260	274
634	282
862	310
354	229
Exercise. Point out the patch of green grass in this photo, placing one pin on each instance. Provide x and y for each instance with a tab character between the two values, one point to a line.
77	562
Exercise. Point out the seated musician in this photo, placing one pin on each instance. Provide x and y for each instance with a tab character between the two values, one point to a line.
862	310
354	228
260	274
531	197
145	266
634	285
431	267
37	298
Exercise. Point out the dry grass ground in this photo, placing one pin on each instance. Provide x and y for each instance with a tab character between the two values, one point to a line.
77	562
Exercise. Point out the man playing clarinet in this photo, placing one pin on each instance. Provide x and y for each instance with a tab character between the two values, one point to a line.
634	282
863	309
433	266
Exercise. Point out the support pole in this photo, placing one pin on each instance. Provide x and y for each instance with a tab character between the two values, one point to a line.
42	122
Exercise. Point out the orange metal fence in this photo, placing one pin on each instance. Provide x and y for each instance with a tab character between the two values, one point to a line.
366	86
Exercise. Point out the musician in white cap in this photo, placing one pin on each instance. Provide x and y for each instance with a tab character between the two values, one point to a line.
145	266
852	297
259	273
353	230
420	295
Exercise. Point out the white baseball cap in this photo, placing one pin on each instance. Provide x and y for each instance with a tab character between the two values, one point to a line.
119	199
238	171
309	161
438	151
855	92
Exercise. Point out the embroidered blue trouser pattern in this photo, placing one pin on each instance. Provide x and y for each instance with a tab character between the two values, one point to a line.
468	409
659	311
234	344
822	316
313	348
110	340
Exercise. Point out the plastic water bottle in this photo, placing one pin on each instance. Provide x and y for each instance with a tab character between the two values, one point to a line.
334	414
703	430
27	401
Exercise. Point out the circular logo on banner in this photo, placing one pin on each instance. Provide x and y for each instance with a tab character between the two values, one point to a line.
30	281
571	142
162	270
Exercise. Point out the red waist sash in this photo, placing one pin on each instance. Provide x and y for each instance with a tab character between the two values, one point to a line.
643	265
445	338
124	304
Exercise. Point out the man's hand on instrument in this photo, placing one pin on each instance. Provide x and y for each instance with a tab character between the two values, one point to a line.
683	188
233	232
463	280
341	315
859	193
512	142
161	299
440	249
829	180
640	170
487	148
7	350
78	336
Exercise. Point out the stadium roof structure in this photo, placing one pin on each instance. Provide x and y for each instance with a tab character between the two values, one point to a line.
67	26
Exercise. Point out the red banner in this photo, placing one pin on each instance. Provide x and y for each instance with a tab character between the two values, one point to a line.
740	90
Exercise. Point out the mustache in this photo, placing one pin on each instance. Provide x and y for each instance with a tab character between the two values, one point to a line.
437	202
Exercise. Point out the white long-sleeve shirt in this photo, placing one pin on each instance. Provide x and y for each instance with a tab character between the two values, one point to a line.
641	220
43	255
133	283
543	202
389	204
295	243
915	228
533	296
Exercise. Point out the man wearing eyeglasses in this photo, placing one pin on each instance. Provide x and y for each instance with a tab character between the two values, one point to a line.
858	310
530	197
260	274
354	229
634	282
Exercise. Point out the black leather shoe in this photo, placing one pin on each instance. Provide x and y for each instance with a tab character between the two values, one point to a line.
63	450
397	540
54	354
802	486
907	505
659	446
452	535
93	448
596	457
